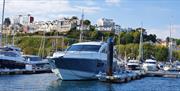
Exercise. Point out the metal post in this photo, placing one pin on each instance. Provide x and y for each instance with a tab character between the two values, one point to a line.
110	57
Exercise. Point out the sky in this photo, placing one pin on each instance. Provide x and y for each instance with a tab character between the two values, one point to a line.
156	16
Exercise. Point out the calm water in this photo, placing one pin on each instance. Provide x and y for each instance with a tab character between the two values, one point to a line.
48	82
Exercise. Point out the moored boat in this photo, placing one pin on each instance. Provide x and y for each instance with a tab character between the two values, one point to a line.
11	58
150	65
133	65
37	62
81	61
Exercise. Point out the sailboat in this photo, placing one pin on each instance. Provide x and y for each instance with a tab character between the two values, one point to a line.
169	65
149	64
38	61
134	64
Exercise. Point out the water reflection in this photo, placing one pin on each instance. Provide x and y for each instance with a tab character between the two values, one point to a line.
144	84
48	82
59	85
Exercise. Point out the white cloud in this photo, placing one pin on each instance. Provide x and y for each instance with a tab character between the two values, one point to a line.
45	8
89	9
112	2
164	32
160	33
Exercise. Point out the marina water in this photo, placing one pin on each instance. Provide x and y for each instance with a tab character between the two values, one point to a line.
48	82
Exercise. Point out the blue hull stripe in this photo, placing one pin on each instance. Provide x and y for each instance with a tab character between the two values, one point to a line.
79	64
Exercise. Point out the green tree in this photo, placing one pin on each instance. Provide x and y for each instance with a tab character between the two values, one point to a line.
176	54
148	51
74	18
136	36
92	28
178	41
7	21
161	53
87	22
122	37
128	38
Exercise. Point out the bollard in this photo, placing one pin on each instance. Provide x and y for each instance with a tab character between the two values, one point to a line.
110	56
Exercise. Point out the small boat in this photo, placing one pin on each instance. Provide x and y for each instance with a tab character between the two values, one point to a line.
11	58
173	67
150	65
37	62
81	61
133	65
177	65
168	66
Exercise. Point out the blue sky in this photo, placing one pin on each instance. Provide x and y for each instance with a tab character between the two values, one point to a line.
156	15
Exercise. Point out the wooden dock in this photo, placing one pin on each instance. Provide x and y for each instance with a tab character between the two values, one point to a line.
125	76
163	74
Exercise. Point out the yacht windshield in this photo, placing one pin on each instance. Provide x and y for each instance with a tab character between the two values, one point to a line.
92	48
10	54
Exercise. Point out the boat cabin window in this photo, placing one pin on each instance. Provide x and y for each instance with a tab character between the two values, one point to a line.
151	62
10	54
33	58
177	63
104	50
92	48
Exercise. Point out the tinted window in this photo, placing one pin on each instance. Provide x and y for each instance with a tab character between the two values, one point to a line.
104	50
11	54
75	48
35	58
94	48
178	63
151	62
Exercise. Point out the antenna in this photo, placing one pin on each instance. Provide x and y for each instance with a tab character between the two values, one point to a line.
170	43
82	26
2	22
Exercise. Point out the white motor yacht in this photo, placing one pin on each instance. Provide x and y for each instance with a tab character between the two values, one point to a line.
150	65
133	65
81	61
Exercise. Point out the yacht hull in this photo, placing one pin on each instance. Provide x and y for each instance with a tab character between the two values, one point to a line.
76	68
65	74
150	68
11	64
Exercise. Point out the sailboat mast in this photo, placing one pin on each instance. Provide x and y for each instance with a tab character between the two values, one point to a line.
141	45
170	45
2	22
13	35
82	26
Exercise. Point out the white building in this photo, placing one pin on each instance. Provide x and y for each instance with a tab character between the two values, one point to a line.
65	24
104	24
24	20
173	45
42	26
117	29
61	25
